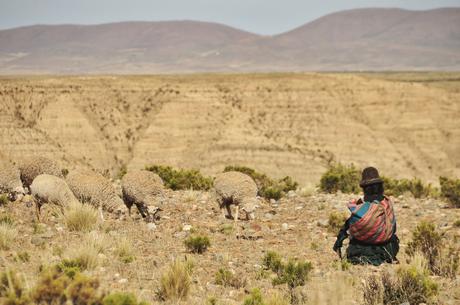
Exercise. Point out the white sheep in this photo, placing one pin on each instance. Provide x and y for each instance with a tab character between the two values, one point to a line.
142	188
238	189
51	189
37	165
93	188
10	180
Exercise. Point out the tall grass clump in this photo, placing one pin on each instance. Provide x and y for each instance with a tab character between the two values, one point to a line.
415	187
121	298
336	221
181	179
4	199
8	234
176	281
342	178
450	189
80	217
268	188
124	250
12	291
226	278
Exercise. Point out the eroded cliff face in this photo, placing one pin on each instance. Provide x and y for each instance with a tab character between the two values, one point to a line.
281	124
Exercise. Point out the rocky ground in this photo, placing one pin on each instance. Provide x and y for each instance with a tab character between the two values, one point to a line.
296	226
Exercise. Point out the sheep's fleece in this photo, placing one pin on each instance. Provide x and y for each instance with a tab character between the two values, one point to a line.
236	188
10	179
49	188
89	186
37	165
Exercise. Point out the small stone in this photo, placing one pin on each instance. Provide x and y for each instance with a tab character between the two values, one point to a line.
151	226
116	275
323	223
285	226
268	216
123	281
291	194
37	241
405	303
186	228
272	201
298	208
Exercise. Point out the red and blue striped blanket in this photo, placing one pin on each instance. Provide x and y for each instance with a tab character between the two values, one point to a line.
372	222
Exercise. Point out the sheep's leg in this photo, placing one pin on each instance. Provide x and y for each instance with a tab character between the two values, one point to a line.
37	210
237	210
100	214
229	210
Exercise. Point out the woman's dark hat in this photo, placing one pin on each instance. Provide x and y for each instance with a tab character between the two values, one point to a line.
370	176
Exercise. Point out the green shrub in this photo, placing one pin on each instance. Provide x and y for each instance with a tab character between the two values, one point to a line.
181	179
23	256
426	240
450	189
84	291
255	298
396	187
70	267
457	223
6	219
336	221
340	178
226	278
293	273
122	172
51	287
268	187
120	298
197	244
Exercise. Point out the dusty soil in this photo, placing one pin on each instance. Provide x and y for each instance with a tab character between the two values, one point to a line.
406	124
294	227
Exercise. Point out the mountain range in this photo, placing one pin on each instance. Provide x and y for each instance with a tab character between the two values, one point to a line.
353	40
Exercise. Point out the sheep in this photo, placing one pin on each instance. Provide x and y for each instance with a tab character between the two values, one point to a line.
141	188
52	189
10	180
89	186
37	165
238	189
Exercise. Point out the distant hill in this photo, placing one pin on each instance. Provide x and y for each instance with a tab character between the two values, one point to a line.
361	39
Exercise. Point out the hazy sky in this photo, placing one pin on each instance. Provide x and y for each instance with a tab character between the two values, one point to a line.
259	16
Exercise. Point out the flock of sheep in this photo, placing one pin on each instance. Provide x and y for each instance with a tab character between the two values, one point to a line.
44	180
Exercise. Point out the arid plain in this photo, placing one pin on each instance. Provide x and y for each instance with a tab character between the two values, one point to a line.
405	124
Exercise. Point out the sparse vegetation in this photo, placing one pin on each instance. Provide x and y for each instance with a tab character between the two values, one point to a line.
4	199
80	217
415	187
7	219
181	179
12	291
175	282
120	298
268	187
450	189
340	178
197	244
255	298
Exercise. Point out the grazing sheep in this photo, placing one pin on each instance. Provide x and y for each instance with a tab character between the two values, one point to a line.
52	189
89	186
10	180
37	165
141	188
238	189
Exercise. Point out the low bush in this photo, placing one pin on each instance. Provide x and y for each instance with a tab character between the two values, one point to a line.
255	298
226	278
80	217
120	298
442	258
197	244
268	187
450	189
175	283
342	178
181	179
411	284
12	290
70	267
293	273
4	199
396	187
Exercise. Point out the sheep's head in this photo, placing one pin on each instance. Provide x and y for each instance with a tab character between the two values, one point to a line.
17	194
249	206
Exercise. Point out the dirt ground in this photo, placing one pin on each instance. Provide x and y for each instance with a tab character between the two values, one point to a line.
295	226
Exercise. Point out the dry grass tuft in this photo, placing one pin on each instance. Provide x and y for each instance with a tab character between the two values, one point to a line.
176	281
8	234
80	217
124	250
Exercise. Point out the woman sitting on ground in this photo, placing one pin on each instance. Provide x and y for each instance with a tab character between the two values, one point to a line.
371	226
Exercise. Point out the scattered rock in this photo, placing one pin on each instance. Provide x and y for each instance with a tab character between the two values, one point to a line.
37	240
273	201
291	194
151	226
285	226
123	281
323	223
186	228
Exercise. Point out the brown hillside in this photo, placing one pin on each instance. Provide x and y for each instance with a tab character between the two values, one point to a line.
282	124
